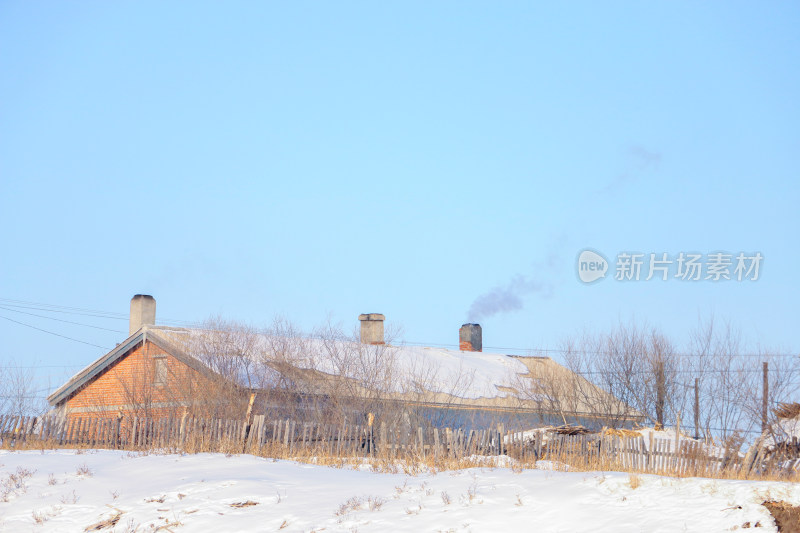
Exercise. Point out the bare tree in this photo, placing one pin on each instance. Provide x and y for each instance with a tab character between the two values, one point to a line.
17	391
637	369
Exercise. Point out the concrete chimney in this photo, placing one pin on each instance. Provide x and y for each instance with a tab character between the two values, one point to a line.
372	328
143	312
470	338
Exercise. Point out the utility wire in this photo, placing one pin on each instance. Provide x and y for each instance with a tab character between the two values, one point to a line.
7	304
53	333
546	351
52	308
97	314
61	320
21	367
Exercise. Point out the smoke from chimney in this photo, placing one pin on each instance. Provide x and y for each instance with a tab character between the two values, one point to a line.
508	298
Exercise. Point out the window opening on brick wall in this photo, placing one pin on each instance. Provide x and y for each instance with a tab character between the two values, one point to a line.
159	371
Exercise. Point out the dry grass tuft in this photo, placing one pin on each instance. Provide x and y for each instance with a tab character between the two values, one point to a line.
621	432
239	505
787	410
104	524
352	504
69	498
472	491
375	503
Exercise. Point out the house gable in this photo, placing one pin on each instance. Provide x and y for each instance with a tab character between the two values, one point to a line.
144	365
130	383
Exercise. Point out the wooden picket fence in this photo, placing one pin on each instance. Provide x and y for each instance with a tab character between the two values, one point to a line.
289	438
681	457
229	435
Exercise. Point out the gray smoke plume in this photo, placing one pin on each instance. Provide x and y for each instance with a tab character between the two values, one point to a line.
646	159
511	296
640	162
506	298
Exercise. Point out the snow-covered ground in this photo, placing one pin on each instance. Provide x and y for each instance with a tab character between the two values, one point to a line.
64	490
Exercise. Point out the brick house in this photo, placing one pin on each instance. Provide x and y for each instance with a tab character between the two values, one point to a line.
162	370
145	373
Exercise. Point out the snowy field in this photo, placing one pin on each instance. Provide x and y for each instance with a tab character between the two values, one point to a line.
65	491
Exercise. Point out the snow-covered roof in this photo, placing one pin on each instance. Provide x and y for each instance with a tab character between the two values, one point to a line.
429	375
461	373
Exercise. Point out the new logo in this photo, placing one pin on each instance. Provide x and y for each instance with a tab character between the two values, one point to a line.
592	266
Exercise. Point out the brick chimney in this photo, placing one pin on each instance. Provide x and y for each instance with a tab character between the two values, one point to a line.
372	328
143	312
470	338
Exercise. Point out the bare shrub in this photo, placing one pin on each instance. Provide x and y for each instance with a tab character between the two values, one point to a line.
39	517
375	503
69	498
472	491
351	504
15	483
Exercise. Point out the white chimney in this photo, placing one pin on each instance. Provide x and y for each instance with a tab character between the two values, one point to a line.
372	328
143	312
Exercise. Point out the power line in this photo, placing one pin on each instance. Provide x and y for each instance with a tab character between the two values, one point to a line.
697	372
23	397
53	333
61	320
45	307
20	367
52	308
562	351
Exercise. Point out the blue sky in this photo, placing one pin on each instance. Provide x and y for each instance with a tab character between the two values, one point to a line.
320	160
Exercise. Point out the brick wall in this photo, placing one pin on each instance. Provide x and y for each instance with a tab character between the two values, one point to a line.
130	386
